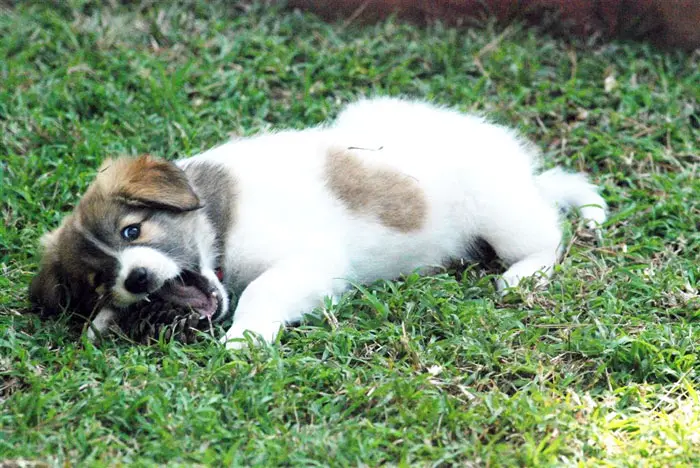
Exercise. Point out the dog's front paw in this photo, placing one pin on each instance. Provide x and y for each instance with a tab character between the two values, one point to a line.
239	335
103	323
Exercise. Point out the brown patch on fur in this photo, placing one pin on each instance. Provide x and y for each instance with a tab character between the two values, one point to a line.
395	198
45	289
92	279
146	182
131	218
69	272
150	232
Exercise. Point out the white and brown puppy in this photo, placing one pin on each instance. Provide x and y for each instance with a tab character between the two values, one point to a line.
293	217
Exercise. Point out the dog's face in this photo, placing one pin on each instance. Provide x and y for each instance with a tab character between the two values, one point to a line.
131	236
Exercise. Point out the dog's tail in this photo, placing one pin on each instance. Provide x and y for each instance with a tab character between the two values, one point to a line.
573	190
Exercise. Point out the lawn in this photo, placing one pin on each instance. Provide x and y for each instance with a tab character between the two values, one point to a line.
600	369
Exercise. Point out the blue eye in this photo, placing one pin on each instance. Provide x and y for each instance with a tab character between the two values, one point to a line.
131	233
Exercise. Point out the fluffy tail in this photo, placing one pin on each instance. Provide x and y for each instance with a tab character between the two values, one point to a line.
569	190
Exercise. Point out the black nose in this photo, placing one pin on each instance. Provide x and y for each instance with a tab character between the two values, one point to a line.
137	281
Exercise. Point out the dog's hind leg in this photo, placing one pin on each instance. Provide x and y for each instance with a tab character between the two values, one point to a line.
523	228
281	295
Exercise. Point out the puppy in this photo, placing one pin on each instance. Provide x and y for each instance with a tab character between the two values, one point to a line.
286	219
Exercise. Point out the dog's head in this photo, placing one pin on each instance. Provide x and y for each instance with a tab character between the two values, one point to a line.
132	235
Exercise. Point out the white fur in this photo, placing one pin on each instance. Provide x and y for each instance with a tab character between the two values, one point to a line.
161	267
573	191
209	274
102	321
293	243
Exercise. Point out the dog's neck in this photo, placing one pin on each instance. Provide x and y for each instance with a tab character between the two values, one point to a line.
215	188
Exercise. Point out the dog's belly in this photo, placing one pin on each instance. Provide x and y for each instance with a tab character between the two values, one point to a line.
354	249
287	208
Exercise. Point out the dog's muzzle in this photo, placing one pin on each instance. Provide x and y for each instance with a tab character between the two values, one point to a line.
192	290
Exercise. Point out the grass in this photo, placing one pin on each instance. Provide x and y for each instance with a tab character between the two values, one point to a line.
600	369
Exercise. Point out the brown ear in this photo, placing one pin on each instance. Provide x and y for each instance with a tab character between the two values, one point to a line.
152	183
46	292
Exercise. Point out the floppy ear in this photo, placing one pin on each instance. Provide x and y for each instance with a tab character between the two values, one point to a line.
153	183
46	293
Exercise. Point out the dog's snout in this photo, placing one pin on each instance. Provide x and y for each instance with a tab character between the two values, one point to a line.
137	281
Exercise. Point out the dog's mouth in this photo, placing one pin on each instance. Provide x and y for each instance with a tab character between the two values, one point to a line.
192	290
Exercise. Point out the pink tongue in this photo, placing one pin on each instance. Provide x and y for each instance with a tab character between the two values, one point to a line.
191	296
